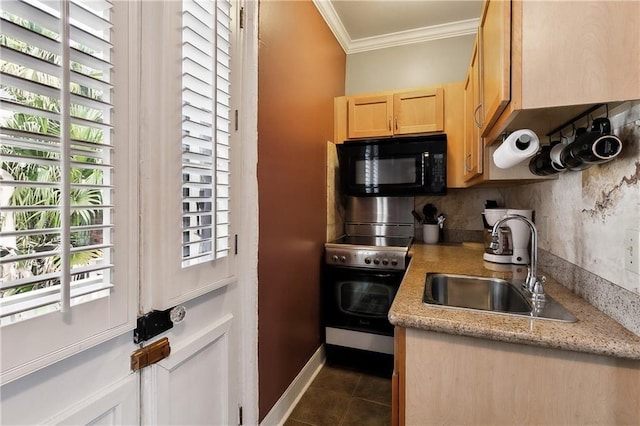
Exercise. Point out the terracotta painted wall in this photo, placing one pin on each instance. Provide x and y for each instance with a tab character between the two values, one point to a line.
301	67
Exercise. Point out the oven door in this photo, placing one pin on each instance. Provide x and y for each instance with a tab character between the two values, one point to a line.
359	299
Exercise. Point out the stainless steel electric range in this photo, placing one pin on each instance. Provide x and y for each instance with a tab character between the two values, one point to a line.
362	273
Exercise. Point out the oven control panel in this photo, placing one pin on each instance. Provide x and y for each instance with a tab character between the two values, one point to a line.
375	259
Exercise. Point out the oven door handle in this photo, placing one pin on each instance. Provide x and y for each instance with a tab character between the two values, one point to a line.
383	275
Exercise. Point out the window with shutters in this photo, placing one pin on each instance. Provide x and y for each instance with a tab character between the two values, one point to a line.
56	157
187	203
59	151
206	97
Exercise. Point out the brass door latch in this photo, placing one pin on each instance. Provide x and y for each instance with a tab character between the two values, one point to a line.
150	354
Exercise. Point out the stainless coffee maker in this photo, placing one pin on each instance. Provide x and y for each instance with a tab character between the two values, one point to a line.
513	242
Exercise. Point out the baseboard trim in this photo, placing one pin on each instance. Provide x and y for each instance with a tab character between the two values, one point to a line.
280	412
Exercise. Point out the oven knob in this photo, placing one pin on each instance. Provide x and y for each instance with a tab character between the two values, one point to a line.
343	259
394	262
385	262
376	261
367	260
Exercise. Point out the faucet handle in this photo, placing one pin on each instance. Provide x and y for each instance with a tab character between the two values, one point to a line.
538	290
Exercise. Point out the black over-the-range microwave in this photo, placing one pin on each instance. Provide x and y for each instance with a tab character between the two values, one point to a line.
400	166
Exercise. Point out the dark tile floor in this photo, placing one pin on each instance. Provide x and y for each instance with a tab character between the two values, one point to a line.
343	397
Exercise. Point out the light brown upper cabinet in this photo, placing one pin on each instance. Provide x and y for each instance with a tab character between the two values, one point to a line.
369	116
473	144
401	113
494	45
419	111
558	58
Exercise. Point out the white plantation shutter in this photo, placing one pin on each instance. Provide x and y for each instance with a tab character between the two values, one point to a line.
206	54
56	113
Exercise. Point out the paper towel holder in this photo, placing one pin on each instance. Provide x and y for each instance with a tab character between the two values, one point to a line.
516	147
522	145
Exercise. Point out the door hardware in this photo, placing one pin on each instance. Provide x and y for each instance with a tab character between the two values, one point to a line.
150	354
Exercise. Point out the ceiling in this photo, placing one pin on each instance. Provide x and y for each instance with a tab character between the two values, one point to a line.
362	25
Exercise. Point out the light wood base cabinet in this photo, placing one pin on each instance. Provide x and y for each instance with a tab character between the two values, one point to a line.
447	379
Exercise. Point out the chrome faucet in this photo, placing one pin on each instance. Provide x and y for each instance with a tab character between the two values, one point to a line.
533	283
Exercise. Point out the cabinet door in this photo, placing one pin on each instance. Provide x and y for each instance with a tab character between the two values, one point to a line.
418	111
370	116
473	148
495	52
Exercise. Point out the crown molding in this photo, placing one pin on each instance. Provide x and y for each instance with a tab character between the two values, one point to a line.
418	35
330	16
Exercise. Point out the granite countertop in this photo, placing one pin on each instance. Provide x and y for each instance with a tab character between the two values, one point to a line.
594	332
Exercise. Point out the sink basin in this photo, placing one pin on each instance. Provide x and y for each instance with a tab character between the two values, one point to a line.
488	294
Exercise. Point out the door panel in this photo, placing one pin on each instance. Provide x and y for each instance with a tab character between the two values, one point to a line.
115	405
192	386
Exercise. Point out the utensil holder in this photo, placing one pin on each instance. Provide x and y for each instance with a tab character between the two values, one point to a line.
430	233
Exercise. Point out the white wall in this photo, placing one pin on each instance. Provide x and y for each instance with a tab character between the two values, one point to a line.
414	65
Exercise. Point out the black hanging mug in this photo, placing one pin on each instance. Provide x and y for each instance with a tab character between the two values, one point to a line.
594	147
541	164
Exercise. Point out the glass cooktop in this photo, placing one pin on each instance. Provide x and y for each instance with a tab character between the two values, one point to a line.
373	241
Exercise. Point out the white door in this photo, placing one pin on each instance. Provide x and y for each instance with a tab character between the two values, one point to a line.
191	195
212	368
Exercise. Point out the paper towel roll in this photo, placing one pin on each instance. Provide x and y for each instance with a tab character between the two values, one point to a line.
518	146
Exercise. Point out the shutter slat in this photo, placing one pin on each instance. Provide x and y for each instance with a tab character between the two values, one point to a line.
29	85
34	14
25	35
88	18
14	56
40	298
28	208
43	231
21	143
50	253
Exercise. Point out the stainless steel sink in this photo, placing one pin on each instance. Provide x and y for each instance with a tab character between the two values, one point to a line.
488	294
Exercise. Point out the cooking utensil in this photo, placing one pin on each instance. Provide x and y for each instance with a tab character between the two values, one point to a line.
430	212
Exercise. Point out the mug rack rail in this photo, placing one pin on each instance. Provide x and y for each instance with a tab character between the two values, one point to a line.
577	118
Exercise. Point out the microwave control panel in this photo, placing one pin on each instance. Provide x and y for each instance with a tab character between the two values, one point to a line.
439	168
